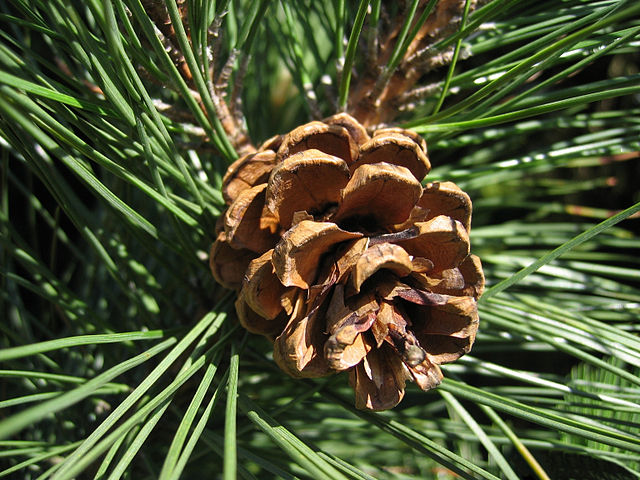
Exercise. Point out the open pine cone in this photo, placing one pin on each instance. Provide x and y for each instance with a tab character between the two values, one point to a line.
346	261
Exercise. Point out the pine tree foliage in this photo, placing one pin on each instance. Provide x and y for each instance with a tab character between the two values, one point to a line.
121	357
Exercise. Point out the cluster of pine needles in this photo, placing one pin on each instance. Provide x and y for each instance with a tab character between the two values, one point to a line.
120	357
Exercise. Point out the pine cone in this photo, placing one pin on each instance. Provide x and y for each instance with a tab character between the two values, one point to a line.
346	261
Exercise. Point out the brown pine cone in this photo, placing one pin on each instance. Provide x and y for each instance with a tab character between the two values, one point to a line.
346	261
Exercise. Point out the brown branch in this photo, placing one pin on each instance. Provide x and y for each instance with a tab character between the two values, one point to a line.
376	99
232	124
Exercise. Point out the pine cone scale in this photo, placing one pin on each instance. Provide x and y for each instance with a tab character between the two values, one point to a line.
379	195
242	220
296	349
402	148
297	255
228	264
379	380
308	181
386	256
262	289
247	172
442	240
331	139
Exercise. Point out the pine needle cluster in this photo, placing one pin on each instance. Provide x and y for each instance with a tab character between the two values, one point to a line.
121	357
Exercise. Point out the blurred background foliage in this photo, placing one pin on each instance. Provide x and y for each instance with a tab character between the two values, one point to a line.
120	356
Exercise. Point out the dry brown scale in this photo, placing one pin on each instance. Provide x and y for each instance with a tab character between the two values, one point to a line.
346	261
